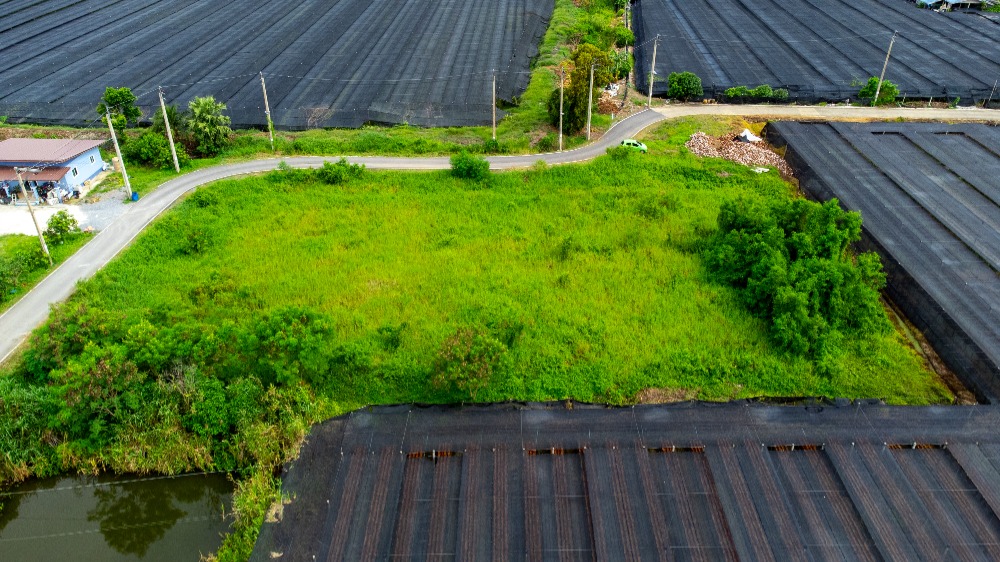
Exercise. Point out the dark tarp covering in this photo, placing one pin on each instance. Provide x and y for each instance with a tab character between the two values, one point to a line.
692	481
820	50
333	63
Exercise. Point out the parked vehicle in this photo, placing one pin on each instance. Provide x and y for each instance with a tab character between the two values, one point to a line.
634	145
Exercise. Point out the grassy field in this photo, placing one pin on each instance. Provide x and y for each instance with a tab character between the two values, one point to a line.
262	305
12	245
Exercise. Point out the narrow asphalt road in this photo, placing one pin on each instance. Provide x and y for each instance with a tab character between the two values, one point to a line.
32	310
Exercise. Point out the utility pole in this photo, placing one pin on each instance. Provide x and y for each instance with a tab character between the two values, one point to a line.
652	72
590	99
170	136
886	64
118	151
267	111
27	199
494	104
991	94
562	80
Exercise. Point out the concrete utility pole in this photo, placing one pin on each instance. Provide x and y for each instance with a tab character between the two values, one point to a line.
170	136
27	199
652	72
987	106
494	105
886	64
118	151
590	99
562	80
267	111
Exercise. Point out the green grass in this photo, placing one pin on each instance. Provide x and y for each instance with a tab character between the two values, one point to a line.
12	244
591	275
611	301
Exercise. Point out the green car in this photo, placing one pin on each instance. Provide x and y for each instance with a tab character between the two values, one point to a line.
634	145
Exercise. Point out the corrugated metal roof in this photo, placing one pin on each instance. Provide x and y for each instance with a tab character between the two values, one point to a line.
44	150
45	174
679	482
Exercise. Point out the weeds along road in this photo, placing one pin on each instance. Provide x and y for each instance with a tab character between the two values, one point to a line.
33	308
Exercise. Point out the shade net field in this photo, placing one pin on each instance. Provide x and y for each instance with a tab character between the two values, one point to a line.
709	482
820	50
326	63
930	201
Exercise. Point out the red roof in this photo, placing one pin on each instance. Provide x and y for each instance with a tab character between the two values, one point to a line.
44	150
45	174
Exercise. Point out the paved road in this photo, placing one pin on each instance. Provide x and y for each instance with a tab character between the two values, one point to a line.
32	310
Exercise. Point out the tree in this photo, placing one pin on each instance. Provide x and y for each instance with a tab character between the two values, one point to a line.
120	103
887	94
684	86
208	126
178	122
576	91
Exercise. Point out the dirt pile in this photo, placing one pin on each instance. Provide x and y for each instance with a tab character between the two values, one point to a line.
748	154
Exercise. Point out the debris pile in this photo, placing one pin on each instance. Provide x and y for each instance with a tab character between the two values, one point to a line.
746	153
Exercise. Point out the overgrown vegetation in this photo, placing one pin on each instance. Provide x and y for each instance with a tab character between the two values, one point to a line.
22	263
470	167
578	95
886	95
764	92
792	263
684	86
234	322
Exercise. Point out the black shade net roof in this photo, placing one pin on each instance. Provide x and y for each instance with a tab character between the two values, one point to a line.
929	197
820	50
325	62
827	481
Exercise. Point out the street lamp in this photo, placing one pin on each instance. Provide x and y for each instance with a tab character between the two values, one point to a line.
27	199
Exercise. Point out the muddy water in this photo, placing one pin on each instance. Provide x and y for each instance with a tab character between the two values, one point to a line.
106	518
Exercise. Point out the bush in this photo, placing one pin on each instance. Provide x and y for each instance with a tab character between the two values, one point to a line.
468	361
621	64
546	143
792	266
341	172
470	167
738	92
60	226
623	37
887	94
763	92
684	86
152	149
780	94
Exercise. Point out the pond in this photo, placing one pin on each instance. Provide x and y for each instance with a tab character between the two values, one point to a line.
115	518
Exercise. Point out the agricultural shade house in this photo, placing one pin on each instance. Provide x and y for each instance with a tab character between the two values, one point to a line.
324	63
817	50
59	163
709	482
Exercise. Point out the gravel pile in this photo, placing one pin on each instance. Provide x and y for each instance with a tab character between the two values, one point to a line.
748	154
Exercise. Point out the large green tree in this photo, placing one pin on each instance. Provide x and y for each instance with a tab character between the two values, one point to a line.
120	103
578	87
208	126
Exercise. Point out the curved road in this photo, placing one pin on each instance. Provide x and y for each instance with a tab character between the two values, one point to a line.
32	310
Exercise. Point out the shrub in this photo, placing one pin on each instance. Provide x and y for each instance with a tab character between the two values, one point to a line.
576	92
738	92
468	361
491	146
470	167
621	64
684	86
152	149
763	92
887	94
340	172
546	143
623	37
60	226
619	152
780	94
792	266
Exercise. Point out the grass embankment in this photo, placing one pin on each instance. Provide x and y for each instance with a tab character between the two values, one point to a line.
262	305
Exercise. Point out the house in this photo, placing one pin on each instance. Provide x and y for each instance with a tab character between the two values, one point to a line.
60	165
